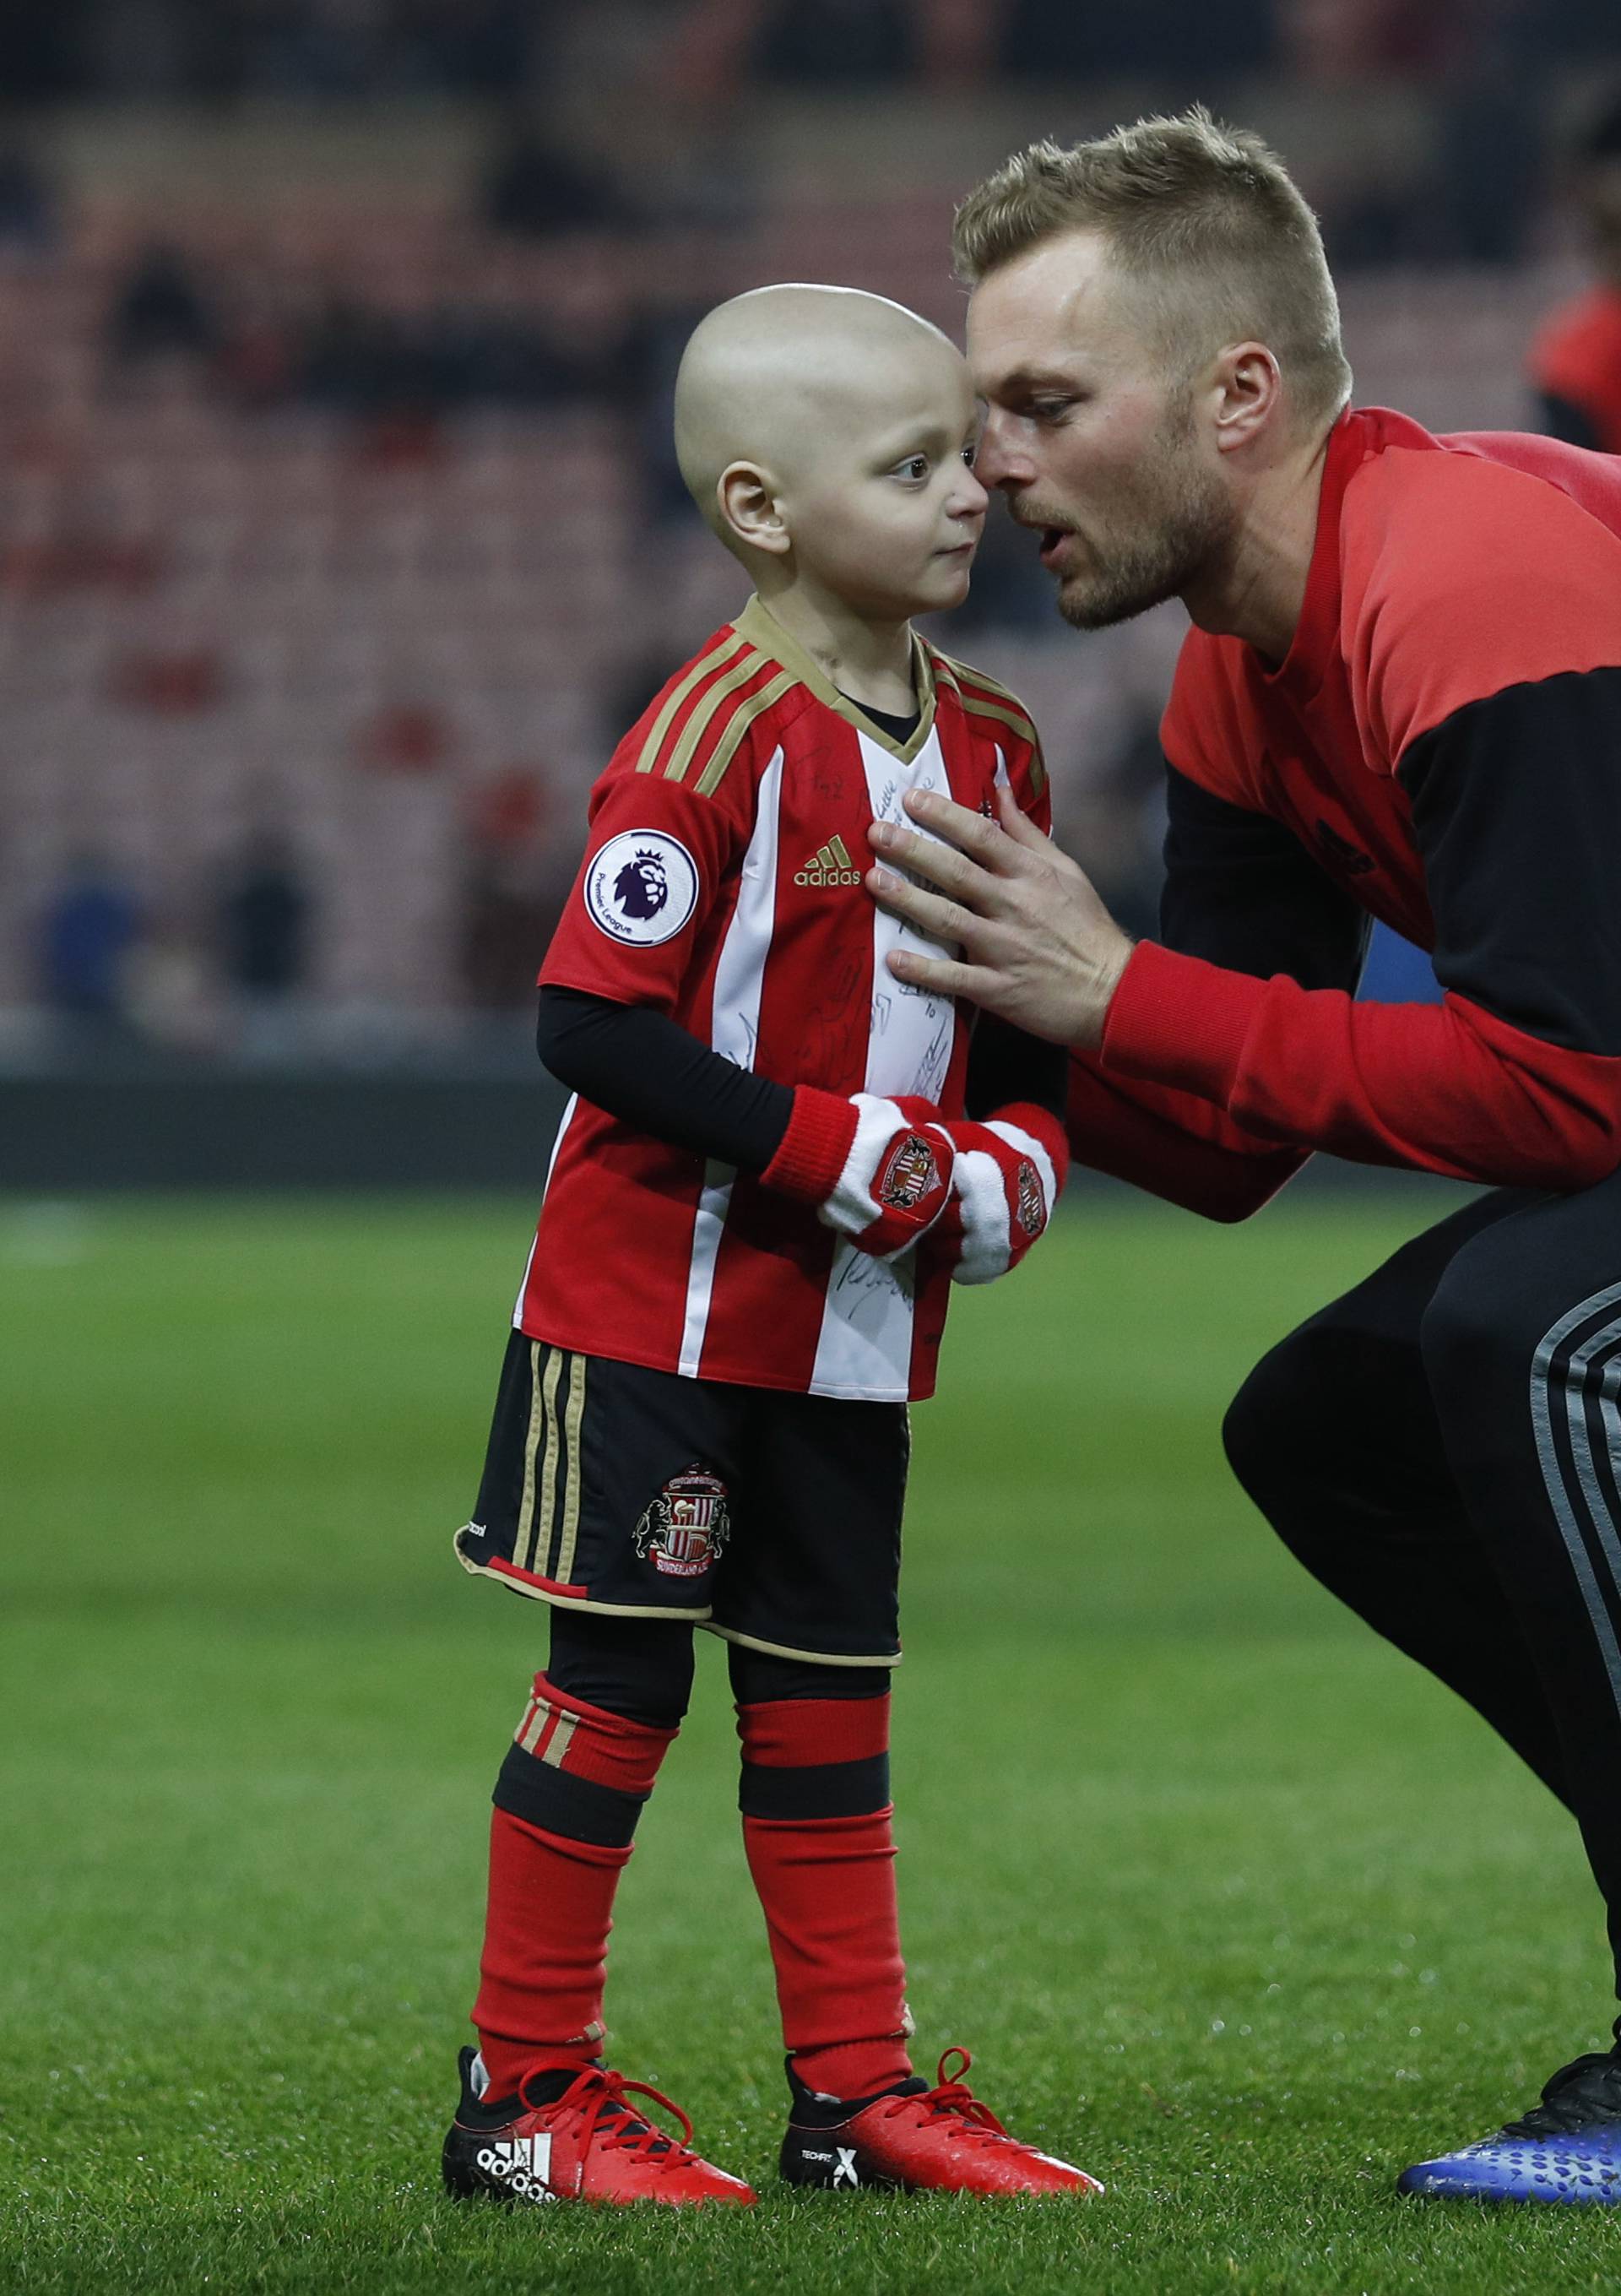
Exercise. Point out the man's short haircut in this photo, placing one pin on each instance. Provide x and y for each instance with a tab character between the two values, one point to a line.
1202	220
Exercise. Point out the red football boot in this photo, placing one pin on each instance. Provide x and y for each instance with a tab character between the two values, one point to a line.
925	2140
574	2136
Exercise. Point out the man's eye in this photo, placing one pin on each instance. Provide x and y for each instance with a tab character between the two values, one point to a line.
1049	410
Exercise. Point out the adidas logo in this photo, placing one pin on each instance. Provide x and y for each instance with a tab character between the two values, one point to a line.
524	2163
830	866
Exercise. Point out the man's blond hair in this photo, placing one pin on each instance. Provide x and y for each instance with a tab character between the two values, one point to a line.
1204	223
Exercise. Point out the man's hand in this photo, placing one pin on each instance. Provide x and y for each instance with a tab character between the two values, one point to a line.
1039	946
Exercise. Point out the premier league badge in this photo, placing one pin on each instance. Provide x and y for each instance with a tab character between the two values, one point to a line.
640	888
684	1528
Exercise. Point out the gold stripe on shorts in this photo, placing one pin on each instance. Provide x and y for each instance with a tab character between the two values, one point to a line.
574	1418
525	1538
540	1539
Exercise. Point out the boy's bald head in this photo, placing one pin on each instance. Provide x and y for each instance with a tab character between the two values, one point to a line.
774	377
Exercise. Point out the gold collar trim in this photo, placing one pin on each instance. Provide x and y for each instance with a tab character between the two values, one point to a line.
762	631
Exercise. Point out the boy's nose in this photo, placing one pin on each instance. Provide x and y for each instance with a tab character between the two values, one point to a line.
969	498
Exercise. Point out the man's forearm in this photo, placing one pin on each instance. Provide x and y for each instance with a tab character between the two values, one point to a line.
1446	1088
1171	1144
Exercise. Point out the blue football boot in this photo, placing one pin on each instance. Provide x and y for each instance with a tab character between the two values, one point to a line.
1567	2148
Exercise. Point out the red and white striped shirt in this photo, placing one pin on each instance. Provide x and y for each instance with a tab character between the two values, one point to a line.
722	885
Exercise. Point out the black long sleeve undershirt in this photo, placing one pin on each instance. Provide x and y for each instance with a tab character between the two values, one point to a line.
649	1072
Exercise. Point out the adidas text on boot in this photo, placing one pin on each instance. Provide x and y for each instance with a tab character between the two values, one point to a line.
571	2134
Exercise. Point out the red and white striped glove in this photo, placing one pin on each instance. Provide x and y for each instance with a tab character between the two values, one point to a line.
1008	1174
879	1171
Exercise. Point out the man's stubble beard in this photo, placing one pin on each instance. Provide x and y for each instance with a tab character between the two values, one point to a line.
1173	541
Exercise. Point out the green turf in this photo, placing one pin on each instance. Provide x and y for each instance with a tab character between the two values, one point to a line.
1230	1904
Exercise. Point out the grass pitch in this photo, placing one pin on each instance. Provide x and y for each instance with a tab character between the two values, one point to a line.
1231	1905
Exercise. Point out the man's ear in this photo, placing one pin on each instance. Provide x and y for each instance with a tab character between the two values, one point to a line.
749	511
1248	394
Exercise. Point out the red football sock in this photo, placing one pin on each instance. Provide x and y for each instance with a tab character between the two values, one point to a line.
826	1884
573	1770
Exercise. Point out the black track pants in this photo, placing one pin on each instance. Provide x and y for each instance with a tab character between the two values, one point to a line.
1440	1448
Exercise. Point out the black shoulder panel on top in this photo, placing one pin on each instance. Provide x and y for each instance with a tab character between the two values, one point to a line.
1240	890
1516	810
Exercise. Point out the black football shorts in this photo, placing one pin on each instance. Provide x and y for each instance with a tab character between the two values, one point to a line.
771	1519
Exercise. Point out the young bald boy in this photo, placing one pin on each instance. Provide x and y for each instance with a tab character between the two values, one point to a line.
764	1184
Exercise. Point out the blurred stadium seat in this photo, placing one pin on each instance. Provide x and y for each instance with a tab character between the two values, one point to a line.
207	597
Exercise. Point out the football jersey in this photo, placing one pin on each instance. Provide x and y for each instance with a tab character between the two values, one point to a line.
722	885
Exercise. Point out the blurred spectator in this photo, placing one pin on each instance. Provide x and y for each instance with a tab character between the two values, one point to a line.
404	737
1491	144
516	884
1181	41
653	358
1010	590
171	682
160	310
1575	360
535	189
27	200
583	348
353	361
313	47
957	41
830	43
627	691
43	49
264	919
260	359
476	47
87	936
1117	825
1366	40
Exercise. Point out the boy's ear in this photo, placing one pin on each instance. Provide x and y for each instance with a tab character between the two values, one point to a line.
750	512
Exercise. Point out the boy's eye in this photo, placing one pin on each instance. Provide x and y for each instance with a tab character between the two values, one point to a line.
915	466
969	452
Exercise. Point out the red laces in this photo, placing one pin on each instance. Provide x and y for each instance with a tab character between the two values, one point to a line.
951	2095
602	2095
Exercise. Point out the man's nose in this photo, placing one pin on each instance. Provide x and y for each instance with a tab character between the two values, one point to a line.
1000	462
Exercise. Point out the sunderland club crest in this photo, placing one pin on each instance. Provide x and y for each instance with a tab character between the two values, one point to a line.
1032	1199
909	1173
684	1529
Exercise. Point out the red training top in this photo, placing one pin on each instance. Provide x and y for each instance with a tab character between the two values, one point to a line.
1441	749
